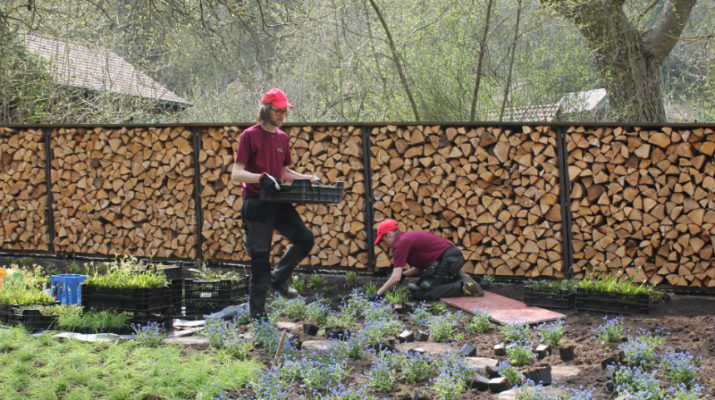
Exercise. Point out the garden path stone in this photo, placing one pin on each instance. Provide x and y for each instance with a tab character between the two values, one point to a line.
288	326
561	372
431	348
480	364
318	345
512	393
93	337
188	341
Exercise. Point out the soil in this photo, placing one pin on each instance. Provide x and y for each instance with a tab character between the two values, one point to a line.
686	323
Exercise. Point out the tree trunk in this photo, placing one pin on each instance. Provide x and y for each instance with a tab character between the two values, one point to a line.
628	61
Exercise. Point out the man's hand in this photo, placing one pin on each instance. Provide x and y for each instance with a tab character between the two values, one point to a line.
374	297
269	182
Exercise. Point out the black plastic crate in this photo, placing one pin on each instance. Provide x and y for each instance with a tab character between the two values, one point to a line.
126	299
9	314
205	297
176	294
172	272
548	300
303	191
610	304
35	321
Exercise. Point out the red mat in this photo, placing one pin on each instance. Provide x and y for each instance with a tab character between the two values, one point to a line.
504	310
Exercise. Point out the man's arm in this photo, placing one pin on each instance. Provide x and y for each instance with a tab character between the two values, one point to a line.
290	175
391	282
239	173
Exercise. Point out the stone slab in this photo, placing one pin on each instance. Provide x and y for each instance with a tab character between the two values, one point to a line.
503	310
430	348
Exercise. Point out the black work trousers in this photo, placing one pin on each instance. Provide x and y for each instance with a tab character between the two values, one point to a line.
260	219
445	280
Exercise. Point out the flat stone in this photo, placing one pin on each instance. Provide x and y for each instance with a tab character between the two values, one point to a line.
431	348
561	372
318	345
480	364
188	341
288	326
511	394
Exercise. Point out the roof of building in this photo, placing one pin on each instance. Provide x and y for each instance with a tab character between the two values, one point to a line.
537	113
587	100
89	67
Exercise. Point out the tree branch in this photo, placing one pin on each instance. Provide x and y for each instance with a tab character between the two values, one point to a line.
661	39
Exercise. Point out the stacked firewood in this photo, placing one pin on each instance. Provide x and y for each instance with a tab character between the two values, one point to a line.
124	191
493	192
643	202
23	190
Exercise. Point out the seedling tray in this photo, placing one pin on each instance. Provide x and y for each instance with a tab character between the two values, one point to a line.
205	297
611	304
34	320
303	191
126	299
548	300
9	314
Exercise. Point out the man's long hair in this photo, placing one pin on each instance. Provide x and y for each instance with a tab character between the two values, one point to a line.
263	113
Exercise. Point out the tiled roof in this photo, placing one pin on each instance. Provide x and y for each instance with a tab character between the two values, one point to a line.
78	65
543	112
587	100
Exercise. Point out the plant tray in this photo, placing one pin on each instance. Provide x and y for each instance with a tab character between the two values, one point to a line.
9	314
302	191
34	320
548	300
611	304
206	297
176	293
126	299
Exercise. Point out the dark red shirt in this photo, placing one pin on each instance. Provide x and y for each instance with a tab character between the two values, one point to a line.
418	249
262	151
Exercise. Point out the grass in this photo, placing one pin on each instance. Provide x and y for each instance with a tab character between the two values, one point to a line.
48	368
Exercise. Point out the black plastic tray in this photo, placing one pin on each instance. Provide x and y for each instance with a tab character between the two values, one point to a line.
302	191
606	303
206	297
548	300
126	299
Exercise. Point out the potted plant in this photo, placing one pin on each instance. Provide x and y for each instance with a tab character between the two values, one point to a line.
614	294
550	293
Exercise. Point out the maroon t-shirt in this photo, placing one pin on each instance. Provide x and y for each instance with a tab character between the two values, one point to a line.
262	151
418	249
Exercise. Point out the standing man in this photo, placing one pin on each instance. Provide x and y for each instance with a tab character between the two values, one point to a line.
436	261
263	159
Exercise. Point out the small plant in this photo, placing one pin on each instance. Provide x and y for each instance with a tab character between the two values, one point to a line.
72	319
351	279
636	382
681	392
128	272
316	281
421	315
552	333
640	350
398	294
299	285
511	373
289	308
553	286
448	386
223	335
519	354
438	308
351	392
322	374
516	332
619	285
489	278
479	322
377	331
149	335
416	368
204	273
369	289
381	377
611	331
317	312
442	327
679	367
269	385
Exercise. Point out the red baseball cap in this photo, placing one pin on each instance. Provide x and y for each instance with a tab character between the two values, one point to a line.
276	97
385	226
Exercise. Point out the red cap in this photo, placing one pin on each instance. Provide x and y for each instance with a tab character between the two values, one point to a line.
385	226
276	97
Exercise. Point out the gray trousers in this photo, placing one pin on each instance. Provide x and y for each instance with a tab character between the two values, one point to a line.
445	281
260	219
